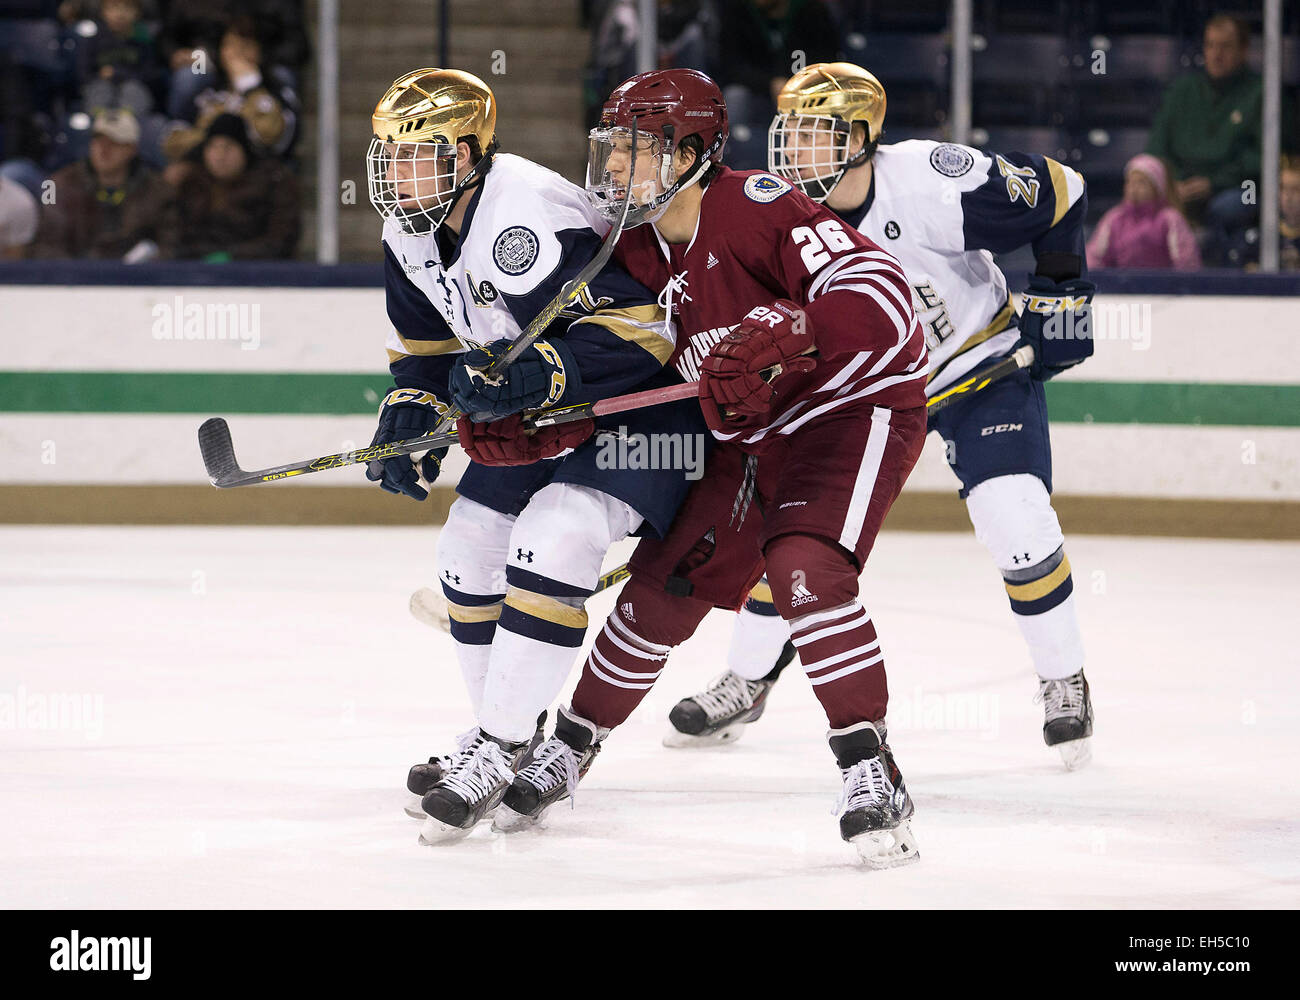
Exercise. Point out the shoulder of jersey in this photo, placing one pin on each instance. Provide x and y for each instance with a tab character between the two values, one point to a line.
527	188
919	166
528	205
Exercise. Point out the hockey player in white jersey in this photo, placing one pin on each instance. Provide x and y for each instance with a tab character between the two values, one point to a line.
943	209
476	243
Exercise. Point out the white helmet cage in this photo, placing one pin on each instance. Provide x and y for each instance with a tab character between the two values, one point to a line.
414	183
812	152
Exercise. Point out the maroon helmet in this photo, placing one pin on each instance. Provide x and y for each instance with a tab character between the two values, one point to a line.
667	106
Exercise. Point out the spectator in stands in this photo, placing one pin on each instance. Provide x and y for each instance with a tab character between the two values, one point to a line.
108	206
121	61
762	43
688	37
192	35
1145	229
1208	128
762	37
18	219
233	205
241	87
190	39
1289	212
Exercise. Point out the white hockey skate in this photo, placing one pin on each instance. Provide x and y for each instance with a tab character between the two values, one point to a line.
874	808
1067	718
470	790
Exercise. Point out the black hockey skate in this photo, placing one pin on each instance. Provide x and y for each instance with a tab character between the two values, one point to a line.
470	789
874	807
720	713
553	774
422	778
1067	718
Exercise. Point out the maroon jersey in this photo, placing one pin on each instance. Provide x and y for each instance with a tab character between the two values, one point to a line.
759	240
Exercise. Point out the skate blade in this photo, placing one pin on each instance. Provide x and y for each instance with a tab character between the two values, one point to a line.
880	849
506	820
681	741
1076	753
414	809
435	833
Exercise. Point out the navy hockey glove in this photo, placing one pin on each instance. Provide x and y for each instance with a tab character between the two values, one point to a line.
1057	322
538	378
405	414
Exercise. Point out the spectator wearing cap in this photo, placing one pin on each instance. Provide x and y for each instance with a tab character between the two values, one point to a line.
108	206
19	216
1145	229
233	205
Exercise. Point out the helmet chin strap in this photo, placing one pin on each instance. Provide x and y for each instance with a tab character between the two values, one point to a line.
655	210
850	161
475	174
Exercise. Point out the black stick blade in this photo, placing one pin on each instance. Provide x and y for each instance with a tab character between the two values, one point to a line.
218	451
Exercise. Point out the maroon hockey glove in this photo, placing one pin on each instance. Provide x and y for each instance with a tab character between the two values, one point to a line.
736	377
505	441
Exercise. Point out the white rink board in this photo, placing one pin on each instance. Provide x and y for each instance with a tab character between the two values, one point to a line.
1087	459
1190	338
256	721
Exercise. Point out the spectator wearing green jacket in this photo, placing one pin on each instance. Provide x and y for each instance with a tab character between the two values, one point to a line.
1208	126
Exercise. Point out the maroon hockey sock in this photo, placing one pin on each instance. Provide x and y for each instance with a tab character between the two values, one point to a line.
815	588
631	650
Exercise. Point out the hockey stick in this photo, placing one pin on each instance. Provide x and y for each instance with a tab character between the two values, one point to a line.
1023	358
215	430
219	451
429	607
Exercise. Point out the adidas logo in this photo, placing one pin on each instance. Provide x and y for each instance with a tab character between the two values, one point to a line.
712	262
627	611
802	595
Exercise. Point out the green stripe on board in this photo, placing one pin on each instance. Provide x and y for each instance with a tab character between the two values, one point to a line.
1211	404
335	394
190	392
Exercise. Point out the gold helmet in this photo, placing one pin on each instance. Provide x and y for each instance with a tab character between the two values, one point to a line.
418	123
808	143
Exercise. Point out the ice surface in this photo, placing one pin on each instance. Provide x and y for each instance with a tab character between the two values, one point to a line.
249	699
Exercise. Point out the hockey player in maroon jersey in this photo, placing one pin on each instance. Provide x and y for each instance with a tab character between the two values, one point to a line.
812	377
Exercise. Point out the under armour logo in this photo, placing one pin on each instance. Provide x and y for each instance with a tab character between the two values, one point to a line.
523	556
451	576
1016	559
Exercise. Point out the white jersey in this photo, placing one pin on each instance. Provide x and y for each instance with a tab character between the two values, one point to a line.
526	232
940	208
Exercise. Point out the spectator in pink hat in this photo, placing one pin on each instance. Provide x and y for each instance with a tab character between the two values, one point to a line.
1146	229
